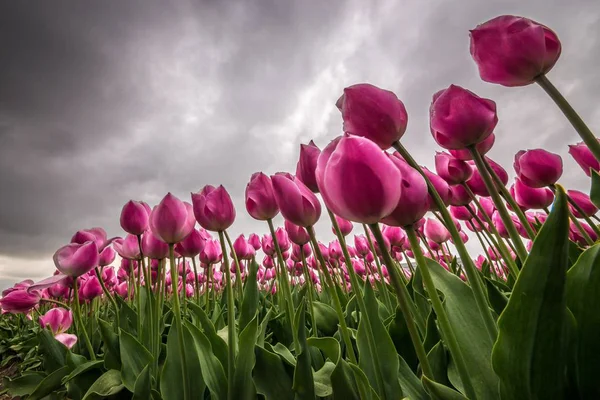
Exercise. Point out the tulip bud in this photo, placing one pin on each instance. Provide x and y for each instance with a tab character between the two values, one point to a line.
76	259
211	253
127	248
461	213
107	256
414	197
153	247
440	186
584	202
459	118
307	163
531	198
513	51
135	217
260	200
394	235
344	225
192	245
357	180
20	301
296	234
213	208
90	289
482	148
452	170
476	183
538	168
435	231
254	241
296	202
282	239
584	157
459	196
242	249
362	245
373	113
172	220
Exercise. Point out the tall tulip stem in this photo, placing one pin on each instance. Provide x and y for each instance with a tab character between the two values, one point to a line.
177	313
582	129
231	334
81	327
386	294
238	266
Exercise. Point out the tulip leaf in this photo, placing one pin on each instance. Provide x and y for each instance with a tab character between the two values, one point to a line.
583	299
325	317
134	357
270	375
386	351
107	385
243	384
219	346
250	301
441	392
212	369
401	338
22	385
80	369
410	383
529	354
438	360
128	317
322	379
110	340
595	190
497	299
49	384
471	334
263	328
304	385
142	385
54	352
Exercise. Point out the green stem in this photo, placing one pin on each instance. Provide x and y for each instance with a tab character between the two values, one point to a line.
465	258
582	213
309	288
196	284
404	303
107	293
231	334
504	215
82	329
238	275
582	129
207	286
442	317
60	303
334	295
381	281
177	313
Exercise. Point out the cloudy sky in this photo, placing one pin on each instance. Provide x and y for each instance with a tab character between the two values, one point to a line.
102	102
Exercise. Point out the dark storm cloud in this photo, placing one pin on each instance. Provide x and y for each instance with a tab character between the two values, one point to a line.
101	102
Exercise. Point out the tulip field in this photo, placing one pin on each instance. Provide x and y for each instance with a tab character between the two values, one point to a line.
396	307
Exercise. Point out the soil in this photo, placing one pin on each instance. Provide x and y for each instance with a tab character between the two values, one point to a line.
10	370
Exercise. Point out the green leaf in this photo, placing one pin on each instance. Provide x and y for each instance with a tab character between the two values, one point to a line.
471	334
134	357
529	354
22	385
304	385
243	385
54	352
595	190
212	369
263	329
128	317
142	385
401	339
82	368
325	318
438	360
270	376
322	377
49	384
497	299
107	385
250	302
219	346
583	299
110	340
386	351
441	392
410	383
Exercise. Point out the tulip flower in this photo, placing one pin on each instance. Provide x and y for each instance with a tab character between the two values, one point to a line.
538	168
584	157
482	148
307	164
357	180
459	196
451	169
296	201
531	198
154	247
58	290
584	203
435	231
395	235
107	256
362	245
211	253
172	220
97	235
135	217
90	289
513	51
58	320
192	245
254	241
476	184
459	118
268	247
344	225
460	213
20	301
260	199
441	186
242	249
76	259
373	113
213	208
413	202
127	248
296	234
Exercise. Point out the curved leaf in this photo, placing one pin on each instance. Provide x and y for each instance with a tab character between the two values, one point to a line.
108	384
270	376
441	392
134	357
243	385
304	385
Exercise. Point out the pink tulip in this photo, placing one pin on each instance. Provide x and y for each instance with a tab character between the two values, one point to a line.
109	277
172	220
153	247
260	199
463	237
192	245
127	248
121	289
476	183
441	186
211	253
297	234
213	208
20	301
460	213
395	235
499	224
474	226
531	198
584	202
90	288
107	256
373	113
335	250
58	291
268	247
459	118
357	180
414	197
296	201
97	235
451	169
135	217
481	147
488	207
584	157
362	245
435	231
344	225
307	163
66	339
282	239
513	51
242	249
254	241
459	196
76	259
538	168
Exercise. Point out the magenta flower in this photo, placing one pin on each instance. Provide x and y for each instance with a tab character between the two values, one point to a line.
476	184
459	196
459	118
296	234
441	186
344	225
107	256
435	231
584	157
460	213
513	51
172	220
373	113
135	217
481	147
192	245
127	248
584	202
531	198
395	235
76	259
297	203
538	168
20	301
59	320
90	288
154	247
307	164
97	235
213	208
361	245
254	240
211	253
260	199
451	169
357	180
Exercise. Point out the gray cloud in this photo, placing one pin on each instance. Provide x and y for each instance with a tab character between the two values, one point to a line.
103	102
